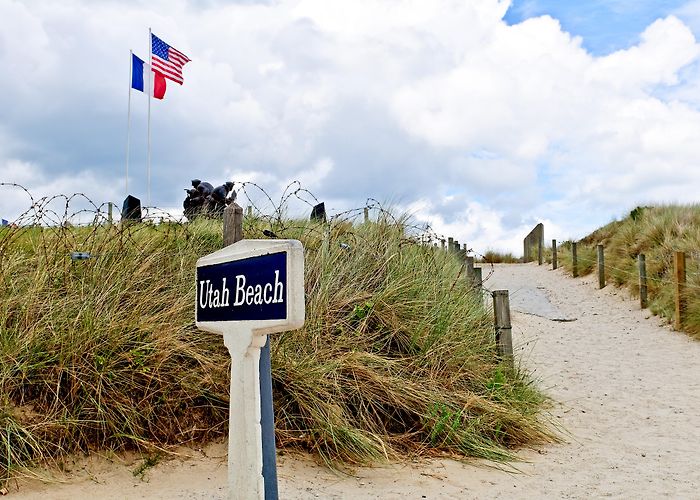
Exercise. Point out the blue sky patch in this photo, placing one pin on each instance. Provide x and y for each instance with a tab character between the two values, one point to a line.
604	25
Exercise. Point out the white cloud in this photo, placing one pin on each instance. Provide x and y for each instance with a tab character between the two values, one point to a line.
534	97
35	185
479	226
498	126
666	46
313	178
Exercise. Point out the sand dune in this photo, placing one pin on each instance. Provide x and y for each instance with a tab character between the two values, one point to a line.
627	393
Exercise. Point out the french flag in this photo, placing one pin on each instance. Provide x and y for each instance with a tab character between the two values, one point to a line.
138	77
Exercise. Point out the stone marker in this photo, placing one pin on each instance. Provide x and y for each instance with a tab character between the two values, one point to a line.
534	239
131	209
244	292
318	212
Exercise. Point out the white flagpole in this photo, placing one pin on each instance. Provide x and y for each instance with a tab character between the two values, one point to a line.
150	91
128	120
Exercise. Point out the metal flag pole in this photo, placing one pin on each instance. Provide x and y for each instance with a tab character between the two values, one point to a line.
148	161
128	119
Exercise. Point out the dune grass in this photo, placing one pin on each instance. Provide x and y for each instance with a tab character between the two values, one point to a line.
494	257
397	355
657	232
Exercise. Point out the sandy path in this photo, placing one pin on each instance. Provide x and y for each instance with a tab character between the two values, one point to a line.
628	392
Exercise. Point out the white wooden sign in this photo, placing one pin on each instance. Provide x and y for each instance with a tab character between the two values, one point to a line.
244	292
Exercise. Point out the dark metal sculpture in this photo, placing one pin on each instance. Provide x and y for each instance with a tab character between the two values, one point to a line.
205	199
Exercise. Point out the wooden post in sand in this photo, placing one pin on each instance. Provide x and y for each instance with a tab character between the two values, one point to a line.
470	268
574	260
366	214
641	261
679	286
109	212
501	311
601	267
554	254
450	243
478	279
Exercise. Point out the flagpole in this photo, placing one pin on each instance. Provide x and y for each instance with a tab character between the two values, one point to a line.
128	119
148	162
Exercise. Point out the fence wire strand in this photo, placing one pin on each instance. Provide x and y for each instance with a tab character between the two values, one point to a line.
52	217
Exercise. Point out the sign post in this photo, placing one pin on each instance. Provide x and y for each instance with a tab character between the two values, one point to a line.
245	292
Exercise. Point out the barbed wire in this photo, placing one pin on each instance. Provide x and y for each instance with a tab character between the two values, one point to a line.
51	217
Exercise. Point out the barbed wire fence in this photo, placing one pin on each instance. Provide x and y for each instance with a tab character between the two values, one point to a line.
657	277
50	219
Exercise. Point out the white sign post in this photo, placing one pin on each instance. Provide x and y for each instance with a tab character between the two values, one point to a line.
245	292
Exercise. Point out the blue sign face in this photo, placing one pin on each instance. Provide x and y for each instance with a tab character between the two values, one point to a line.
242	290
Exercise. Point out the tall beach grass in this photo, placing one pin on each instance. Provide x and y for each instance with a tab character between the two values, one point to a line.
397	355
657	232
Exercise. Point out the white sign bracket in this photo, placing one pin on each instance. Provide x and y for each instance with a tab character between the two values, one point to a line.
245	453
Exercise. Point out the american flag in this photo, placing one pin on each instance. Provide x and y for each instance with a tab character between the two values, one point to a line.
167	60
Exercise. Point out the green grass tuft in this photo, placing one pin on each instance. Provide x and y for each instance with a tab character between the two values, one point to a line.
494	257
656	232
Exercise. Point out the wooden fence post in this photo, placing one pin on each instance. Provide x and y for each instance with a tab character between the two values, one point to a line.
366	214
501	311
679	285
450	243
109	213
574	260
554	254
641	260
478	279
250	210
540	251
233	224
601	267
442	243
455	246
470	268
326	241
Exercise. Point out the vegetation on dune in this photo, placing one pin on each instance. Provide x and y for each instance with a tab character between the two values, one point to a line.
494	257
657	232
397	354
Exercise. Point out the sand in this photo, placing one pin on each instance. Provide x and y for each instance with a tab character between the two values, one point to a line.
627	393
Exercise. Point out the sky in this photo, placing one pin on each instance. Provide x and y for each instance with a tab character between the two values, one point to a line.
480	118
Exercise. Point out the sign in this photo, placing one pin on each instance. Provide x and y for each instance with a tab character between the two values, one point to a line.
244	292
250	289
256	282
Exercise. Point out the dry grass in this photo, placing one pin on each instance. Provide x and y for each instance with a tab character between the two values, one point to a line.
494	257
397	355
656	232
